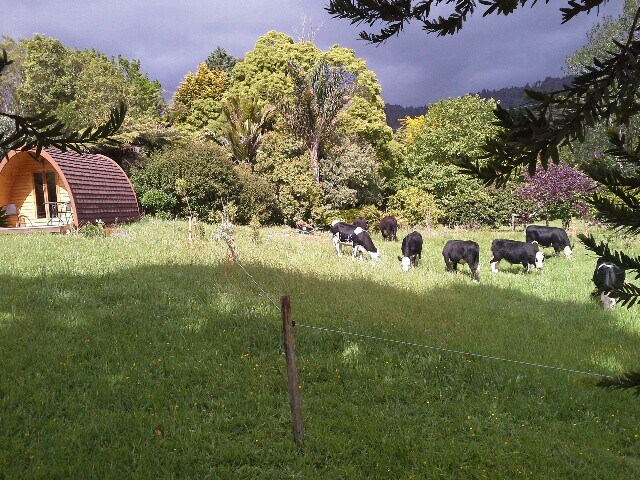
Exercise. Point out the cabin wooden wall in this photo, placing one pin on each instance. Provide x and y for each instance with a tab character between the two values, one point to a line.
16	184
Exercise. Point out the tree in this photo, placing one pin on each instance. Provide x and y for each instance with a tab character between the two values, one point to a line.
197	102
246	124
558	192
81	88
45	130
219	59
264	74
351	175
312	112
452	128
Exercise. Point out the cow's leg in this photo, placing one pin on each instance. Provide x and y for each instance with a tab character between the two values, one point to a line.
447	262
337	244
494	265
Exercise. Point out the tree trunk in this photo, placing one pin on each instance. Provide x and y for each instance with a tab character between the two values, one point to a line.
313	151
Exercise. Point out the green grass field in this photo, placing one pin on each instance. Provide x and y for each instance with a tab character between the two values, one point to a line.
135	356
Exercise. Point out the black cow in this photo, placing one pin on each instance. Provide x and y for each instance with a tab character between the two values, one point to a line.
526	254
360	222
462	251
550	237
356	237
411	250
607	277
389	228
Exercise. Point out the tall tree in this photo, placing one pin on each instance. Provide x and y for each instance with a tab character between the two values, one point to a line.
219	59
264	74
312	112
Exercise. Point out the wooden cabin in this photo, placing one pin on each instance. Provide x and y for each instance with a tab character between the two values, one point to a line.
57	189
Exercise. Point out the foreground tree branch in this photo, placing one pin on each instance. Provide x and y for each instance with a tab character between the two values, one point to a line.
45	130
395	15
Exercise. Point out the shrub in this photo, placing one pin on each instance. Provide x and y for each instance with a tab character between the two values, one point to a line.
368	212
202	177
464	201
350	175
158	202
413	206
286	163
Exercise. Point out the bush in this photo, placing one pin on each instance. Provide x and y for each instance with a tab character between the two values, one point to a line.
286	163
368	212
158	202
415	207
350	175
200	176
464	201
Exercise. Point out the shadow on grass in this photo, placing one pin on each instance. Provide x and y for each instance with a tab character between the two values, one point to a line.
177	299
177	368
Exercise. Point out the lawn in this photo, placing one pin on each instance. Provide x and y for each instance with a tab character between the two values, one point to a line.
136	356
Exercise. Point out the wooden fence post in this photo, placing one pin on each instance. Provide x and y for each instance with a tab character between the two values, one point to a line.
292	372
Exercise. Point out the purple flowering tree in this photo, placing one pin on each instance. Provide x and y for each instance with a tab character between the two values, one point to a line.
558	192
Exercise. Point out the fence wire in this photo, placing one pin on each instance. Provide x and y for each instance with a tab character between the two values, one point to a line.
317	328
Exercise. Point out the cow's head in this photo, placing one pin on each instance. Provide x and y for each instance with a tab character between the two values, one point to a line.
476	273
406	263
607	302
333	223
539	260
375	255
568	252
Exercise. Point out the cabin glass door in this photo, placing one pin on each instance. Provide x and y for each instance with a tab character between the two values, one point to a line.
46	193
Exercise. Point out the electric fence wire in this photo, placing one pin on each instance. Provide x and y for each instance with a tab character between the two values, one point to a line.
418	345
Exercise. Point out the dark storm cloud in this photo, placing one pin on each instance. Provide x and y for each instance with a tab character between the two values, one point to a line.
170	37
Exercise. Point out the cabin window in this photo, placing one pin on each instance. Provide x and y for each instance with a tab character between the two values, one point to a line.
46	194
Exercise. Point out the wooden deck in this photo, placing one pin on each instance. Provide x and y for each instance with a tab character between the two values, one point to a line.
35	229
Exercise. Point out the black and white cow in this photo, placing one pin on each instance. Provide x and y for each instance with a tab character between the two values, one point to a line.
606	277
550	237
360	222
389	228
356	237
526	254
462	251
411	250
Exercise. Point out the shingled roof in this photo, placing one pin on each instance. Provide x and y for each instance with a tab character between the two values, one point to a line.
98	187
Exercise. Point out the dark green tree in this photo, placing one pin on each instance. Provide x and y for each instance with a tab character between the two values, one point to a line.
219	59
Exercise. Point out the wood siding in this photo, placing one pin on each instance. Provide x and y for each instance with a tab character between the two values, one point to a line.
17	187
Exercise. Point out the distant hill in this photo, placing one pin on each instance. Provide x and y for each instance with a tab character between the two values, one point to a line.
508	97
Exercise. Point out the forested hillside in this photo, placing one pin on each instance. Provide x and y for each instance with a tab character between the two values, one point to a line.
508	97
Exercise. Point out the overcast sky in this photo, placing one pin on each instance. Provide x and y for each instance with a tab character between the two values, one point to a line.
171	37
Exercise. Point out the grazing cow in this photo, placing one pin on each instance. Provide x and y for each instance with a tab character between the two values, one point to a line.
526	254
356	237
411	250
462	251
607	277
389	228
550	237
360	222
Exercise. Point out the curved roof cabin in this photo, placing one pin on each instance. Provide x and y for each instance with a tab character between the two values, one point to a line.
64	188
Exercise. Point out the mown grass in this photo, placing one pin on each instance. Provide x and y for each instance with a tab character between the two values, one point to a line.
137	357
